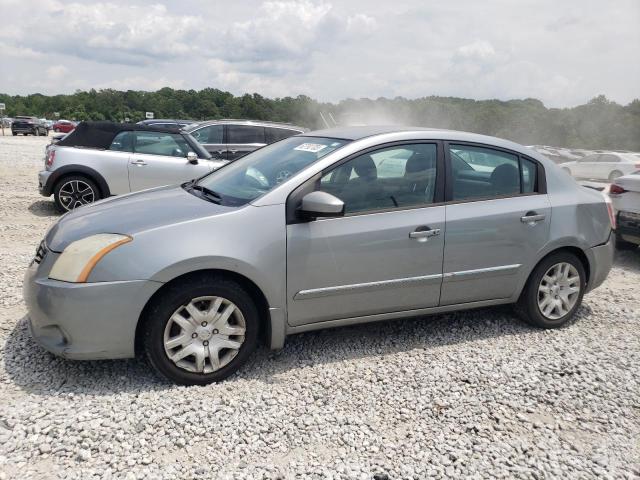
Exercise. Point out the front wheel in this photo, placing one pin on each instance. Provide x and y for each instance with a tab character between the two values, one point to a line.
201	330
75	191
553	292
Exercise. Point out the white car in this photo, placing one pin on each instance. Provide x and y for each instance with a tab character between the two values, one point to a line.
101	159
625	197
603	166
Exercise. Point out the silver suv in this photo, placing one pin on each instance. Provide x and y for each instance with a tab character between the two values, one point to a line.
232	139
320	230
101	159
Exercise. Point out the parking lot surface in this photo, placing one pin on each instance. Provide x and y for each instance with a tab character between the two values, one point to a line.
468	394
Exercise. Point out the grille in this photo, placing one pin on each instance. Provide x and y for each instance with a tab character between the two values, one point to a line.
41	251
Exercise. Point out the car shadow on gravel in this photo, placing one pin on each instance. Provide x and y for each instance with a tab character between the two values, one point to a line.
44	208
628	259
33	369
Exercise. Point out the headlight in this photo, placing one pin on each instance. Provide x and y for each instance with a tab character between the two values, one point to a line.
79	258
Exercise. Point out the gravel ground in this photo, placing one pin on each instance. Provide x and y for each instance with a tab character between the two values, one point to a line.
472	394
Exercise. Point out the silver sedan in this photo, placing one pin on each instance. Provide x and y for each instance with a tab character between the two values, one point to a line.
323	229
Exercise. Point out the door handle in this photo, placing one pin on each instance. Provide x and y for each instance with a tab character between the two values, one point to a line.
532	218
423	233
139	162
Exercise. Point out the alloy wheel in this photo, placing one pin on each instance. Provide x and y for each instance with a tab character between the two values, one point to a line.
559	290
75	193
205	334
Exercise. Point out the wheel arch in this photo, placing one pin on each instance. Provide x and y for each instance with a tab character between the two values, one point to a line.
60	173
254	291
577	251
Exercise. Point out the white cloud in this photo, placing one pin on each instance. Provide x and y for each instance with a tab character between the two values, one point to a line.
561	52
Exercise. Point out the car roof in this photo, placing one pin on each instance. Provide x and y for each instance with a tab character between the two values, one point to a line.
354	133
101	134
258	123
164	120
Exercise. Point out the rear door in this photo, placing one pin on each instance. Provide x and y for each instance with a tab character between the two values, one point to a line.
160	159
243	139
498	218
211	137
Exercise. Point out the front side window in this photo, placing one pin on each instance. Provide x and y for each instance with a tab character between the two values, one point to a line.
157	143
122	142
257	173
479	172
245	134
394	177
210	134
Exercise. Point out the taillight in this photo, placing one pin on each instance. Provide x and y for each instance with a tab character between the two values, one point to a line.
611	212
50	157
616	189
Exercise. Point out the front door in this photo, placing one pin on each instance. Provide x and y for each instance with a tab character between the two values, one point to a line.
497	221
385	254
160	159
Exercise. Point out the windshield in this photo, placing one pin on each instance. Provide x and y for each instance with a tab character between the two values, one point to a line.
255	174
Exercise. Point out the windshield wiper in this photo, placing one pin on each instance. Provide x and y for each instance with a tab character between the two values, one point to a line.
210	194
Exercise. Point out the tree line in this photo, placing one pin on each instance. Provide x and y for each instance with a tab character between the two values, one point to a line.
598	124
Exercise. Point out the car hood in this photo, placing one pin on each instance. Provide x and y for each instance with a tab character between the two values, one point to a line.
131	214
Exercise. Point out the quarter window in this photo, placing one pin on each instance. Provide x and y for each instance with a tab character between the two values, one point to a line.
273	134
210	134
395	177
245	134
486	173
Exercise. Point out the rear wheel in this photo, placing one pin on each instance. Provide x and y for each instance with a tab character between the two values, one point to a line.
75	191
615	174
201	331
622	244
553	292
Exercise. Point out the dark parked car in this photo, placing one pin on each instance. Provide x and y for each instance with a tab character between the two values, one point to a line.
232	139
166	123
28	126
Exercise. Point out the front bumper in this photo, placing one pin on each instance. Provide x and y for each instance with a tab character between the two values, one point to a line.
601	261
84	321
43	187
628	227
23	129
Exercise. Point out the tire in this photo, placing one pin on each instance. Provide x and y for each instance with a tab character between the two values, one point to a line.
159	327
74	184
15	134
528	306
622	244
56	130
615	174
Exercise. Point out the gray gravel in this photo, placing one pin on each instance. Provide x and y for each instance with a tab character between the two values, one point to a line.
473	394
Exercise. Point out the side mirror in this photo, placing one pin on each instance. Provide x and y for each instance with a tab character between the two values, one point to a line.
192	158
321	204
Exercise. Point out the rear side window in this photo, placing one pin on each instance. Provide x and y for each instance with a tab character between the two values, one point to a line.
156	143
273	134
480	172
122	142
210	134
245	134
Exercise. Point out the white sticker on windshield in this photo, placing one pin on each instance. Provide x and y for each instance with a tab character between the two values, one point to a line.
310	147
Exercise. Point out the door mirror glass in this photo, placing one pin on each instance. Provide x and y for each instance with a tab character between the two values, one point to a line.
192	158
321	204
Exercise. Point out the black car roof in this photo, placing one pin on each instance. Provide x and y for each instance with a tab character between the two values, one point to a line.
101	134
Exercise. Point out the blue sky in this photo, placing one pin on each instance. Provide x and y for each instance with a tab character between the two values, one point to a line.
562	52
